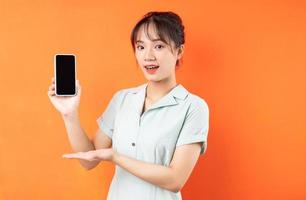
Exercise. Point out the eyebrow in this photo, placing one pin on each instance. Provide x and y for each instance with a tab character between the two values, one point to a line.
154	40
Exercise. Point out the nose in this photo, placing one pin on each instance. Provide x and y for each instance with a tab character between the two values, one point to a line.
149	55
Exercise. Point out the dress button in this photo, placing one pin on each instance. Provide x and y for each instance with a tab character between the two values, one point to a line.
133	144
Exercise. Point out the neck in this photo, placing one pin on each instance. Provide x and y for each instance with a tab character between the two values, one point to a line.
158	89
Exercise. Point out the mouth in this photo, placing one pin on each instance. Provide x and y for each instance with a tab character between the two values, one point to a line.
151	66
151	69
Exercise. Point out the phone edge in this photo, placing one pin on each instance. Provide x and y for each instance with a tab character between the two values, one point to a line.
75	73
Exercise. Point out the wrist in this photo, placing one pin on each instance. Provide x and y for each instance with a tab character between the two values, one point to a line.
70	116
115	157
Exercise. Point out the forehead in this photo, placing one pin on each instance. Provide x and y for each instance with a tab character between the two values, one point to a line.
147	32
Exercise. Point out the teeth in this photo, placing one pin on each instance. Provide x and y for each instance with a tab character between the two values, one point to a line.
151	67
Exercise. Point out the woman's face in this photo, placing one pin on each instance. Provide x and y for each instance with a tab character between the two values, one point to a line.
154	56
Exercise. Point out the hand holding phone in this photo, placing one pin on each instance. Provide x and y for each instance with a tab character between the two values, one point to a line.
65	103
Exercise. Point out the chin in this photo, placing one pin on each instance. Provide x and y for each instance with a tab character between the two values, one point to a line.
155	79
150	78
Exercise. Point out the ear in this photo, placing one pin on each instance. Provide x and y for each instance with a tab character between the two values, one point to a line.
180	52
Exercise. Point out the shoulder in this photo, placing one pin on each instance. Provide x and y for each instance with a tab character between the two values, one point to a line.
129	90
123	92
197	103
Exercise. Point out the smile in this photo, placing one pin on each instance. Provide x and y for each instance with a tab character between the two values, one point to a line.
151	66
151	69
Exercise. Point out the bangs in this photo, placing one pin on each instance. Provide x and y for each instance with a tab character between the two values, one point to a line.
160	31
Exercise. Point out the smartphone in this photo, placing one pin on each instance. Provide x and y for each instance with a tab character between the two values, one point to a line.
65	74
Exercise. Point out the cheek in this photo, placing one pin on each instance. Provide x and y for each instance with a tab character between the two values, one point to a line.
167	59
138	57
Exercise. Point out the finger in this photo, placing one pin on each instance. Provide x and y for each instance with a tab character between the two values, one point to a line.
51	88
51	93
70	156
78	87
52	85
78	84
52	79
78	156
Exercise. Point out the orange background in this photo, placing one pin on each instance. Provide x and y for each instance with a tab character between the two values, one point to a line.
246	59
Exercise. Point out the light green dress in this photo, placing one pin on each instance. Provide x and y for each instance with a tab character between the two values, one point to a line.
176	119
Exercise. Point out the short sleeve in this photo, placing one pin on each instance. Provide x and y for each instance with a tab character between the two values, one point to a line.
196	124
107	119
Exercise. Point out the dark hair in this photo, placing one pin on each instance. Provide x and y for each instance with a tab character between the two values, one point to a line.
168	26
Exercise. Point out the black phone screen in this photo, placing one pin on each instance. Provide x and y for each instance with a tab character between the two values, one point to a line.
65	74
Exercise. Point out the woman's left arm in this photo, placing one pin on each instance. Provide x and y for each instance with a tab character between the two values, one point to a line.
172	177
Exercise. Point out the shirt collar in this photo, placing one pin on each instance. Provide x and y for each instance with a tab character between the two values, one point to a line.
178	92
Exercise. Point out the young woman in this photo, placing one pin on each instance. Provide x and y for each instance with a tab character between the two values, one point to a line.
153	133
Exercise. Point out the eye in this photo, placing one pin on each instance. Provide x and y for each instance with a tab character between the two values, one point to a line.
159	46
139	47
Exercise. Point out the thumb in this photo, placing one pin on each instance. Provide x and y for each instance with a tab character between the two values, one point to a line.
78	86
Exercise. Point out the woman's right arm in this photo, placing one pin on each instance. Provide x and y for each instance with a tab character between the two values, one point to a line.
68	108
80	142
